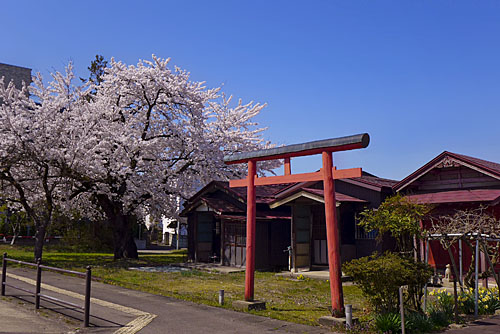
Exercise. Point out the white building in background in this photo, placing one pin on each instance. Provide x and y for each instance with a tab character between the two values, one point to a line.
174	231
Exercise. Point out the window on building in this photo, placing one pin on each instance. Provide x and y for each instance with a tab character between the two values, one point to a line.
362	234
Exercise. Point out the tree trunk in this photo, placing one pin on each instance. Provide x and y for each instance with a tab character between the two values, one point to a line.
16	229
123	239
39	240
13	241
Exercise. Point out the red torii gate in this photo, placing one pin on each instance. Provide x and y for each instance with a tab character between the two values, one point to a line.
327	174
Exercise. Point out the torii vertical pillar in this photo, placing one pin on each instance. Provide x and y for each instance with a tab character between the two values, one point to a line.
327	174
250	246
332	236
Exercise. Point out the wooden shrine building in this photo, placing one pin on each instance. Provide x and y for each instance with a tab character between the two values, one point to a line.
287	215
353	195
216	217
452	182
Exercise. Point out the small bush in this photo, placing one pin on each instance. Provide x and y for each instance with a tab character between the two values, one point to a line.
418	323
380	277
415	323
389	323
438	318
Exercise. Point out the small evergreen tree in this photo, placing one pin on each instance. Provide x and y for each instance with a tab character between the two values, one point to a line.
399	217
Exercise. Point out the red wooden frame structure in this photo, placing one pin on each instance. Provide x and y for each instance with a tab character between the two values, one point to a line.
327	174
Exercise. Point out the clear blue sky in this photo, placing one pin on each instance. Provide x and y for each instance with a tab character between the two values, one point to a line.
420	77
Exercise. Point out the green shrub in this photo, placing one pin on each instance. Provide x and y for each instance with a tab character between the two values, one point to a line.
389	323
380	276
418	323
439	318
415	323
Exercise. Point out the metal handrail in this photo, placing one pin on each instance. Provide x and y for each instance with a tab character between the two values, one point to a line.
77	273
21	262
38	295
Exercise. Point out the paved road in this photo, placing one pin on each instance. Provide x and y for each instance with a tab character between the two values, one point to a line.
17	317
118	310
485	326
122	311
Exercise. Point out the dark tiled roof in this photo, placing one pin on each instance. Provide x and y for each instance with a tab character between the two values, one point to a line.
260	215
220	205
456	196
485	165
263	194
375	181
338	196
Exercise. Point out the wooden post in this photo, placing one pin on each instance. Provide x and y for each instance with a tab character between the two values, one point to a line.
250	246
495	276
332	235
482	260
288	167
415	250
453	265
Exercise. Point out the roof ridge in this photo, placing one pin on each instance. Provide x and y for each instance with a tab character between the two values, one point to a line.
486	165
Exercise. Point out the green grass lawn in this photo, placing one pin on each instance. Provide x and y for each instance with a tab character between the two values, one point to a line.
302	301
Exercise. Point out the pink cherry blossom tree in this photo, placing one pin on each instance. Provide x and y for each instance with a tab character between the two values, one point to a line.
134	144
34	147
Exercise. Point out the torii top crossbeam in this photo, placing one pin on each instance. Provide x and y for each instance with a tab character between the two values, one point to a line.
327	174
299	150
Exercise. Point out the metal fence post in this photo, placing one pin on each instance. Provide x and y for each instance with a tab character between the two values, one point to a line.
426	262
455	298
38	283
88	279
348	316
221	297
4	272
476	279
402	310
461	277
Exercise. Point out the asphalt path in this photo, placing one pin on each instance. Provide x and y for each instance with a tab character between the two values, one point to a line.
123	311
